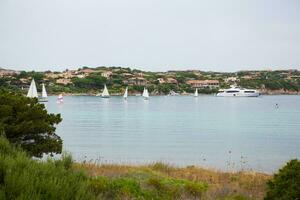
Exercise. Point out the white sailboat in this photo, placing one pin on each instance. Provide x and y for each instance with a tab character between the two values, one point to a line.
105	93
145	94
196	93
60	98
44	94
126	93
32	92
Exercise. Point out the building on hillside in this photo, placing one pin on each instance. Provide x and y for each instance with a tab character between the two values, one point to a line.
136	81
53	75
81	76
161	80
139	74
63	81
247	77
107	74
68	75
231	79
87	71
127	75
167	80
171	80
6	72
203	83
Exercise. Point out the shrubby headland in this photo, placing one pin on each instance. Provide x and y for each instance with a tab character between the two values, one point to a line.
88	80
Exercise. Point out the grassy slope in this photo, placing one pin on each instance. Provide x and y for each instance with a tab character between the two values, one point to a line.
217	185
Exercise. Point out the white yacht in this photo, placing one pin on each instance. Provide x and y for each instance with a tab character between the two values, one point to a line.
238	92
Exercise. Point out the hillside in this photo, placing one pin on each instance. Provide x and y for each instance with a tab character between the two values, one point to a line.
88	80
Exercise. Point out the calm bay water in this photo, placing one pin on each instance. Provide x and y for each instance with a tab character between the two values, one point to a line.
223	133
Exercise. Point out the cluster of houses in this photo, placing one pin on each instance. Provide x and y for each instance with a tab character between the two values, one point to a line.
139	78
129	78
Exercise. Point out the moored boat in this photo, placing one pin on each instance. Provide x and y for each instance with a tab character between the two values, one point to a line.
60	98
238	92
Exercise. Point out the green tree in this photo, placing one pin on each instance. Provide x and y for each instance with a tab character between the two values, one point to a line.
26	122
285	184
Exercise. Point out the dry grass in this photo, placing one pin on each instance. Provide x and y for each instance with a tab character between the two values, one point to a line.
221	184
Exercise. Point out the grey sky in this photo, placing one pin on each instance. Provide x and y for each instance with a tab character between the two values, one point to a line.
156	35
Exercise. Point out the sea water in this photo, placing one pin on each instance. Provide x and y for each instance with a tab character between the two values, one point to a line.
225	133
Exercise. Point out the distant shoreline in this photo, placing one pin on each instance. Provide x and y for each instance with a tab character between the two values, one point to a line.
188	94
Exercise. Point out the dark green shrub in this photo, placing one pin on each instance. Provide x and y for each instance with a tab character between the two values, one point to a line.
25	178
285	185
27	123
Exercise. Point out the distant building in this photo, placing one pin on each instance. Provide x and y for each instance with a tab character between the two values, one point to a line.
231	79
87	71
171	81
107	74
127	75
53	75
63	81
167	80
80	76
203	83
6	72
161	80
247	77
137	81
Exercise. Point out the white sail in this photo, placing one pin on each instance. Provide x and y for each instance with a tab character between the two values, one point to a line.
126	93
196	93
105	93
44	92
145	93
32	92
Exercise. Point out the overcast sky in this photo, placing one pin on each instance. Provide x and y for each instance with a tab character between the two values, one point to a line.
156	35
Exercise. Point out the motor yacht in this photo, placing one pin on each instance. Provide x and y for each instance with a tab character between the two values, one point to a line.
238	92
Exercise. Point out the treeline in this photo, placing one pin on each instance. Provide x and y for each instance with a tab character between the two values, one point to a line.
94	82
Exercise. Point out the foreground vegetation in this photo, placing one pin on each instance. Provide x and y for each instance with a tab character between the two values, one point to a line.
25	122
24	178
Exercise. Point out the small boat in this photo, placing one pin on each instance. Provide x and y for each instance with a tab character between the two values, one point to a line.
44	97
105	93
60	98
126	93
238	92
145	94
196	93
32	92
172	93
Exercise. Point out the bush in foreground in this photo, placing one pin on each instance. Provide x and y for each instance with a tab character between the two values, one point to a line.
24	178
285	184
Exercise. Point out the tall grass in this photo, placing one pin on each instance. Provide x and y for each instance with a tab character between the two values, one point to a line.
24	178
